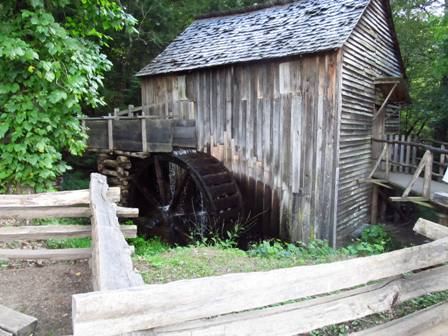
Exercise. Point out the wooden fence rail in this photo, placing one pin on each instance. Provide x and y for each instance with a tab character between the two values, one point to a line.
238	304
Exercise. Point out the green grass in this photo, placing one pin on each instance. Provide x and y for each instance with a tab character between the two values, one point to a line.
69	243
61	221
160	263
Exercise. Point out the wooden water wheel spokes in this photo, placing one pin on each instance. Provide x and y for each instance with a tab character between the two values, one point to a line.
181	193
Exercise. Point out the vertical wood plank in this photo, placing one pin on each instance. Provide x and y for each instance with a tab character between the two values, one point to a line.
110	130
144	135
428	175
402	153
408	156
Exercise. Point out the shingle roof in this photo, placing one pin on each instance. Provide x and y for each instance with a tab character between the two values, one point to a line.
301	27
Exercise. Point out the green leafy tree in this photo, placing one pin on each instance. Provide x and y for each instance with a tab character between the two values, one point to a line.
423	33
52	64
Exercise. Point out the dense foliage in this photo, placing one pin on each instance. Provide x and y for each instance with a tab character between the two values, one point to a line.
52	64
422	29
56	55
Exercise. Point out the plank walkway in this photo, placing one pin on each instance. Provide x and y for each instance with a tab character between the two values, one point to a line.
402	180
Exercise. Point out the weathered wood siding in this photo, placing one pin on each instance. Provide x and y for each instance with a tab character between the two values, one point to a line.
274	124
369	53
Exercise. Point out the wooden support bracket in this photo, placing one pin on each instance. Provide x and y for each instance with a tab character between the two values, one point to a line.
381	109
384	154
426	164
417	200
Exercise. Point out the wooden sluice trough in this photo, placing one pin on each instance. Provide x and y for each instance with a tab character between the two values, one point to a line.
134	130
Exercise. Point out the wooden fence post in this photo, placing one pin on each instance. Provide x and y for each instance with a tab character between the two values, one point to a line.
428	175
442	163
130	110
111	256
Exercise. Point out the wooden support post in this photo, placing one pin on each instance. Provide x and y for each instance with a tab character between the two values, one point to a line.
130	110
428	176
116	112
442	163
408	156
144	136
402	152
387	176
110	131
374	210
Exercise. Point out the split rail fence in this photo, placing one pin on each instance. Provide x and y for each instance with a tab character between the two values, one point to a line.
70	204
279	302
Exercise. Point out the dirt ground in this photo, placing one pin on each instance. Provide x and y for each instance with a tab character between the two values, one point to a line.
44	291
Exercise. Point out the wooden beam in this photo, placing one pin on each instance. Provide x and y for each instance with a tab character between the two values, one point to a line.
16	323
177	302
60	198
42	232
111	258
416	200
378	162
61	254
417	173
441	198
385	101
430	229
413	324
59	212
408	199
303	317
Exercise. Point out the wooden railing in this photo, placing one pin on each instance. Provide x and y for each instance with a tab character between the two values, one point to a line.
274	302
405	153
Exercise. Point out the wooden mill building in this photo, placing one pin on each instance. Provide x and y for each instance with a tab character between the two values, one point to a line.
288	97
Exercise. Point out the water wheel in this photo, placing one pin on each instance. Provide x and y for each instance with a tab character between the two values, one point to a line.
184	194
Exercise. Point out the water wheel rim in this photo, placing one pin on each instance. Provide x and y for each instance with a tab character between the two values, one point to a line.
194	165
